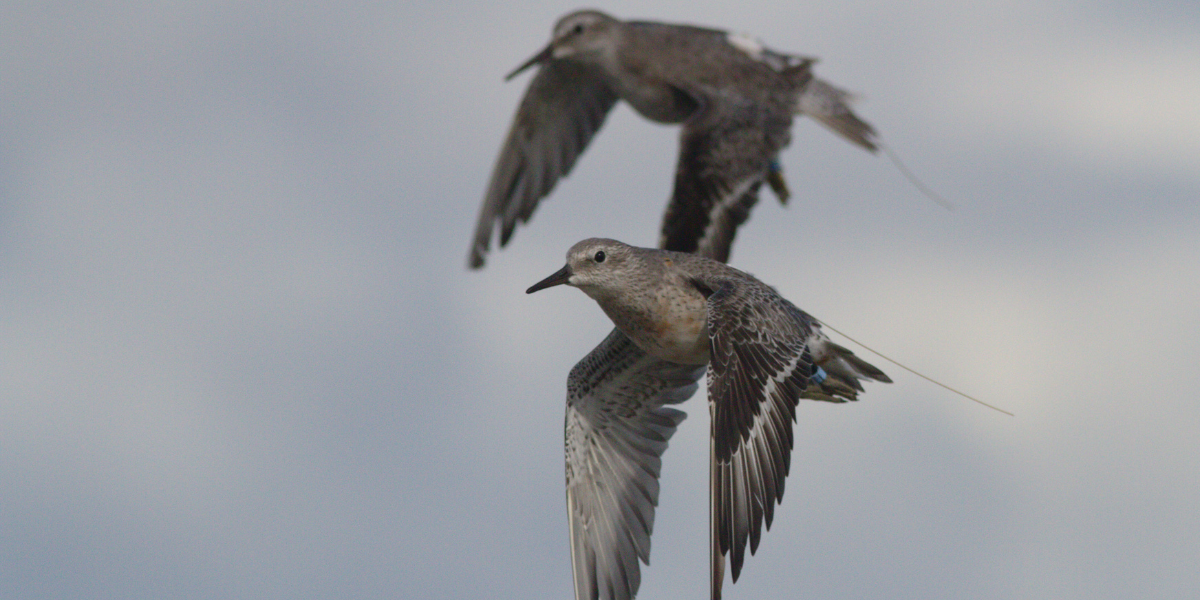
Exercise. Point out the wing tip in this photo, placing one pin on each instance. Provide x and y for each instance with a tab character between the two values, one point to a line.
475	259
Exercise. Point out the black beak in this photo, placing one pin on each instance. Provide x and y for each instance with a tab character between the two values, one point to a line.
558	278
546	54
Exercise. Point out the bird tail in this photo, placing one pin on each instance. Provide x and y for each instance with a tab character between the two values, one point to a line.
842	372
830	106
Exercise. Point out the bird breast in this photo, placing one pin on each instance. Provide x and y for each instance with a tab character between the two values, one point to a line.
674	328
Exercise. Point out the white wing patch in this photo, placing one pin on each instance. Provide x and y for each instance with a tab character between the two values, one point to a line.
757	51
746	43
720	211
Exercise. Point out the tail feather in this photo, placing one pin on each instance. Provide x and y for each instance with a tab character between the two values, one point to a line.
830	107
843	371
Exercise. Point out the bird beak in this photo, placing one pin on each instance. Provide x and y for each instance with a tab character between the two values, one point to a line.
546	54
558	278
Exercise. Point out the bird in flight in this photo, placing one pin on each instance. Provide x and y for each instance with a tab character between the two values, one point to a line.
676	313
735	98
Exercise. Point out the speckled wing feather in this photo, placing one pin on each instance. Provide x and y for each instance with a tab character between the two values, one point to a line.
565	105
765	355
759	366
725	154
617	428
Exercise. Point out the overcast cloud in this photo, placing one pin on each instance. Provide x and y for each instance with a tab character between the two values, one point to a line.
241	355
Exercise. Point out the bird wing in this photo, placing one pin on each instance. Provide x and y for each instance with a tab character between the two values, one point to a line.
617	428
760	365
764	356
725	153
565	105
830	106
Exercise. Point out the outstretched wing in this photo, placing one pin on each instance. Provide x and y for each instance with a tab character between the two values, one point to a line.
617	428
765	355
725	154
565	105
759	366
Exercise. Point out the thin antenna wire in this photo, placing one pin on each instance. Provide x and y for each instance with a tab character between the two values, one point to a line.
920	185
934	381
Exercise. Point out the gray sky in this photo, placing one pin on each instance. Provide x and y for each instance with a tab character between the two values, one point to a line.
242	357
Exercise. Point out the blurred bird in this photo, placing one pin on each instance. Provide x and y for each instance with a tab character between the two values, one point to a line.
735	98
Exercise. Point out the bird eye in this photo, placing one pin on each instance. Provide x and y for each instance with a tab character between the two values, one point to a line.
578	29
599	256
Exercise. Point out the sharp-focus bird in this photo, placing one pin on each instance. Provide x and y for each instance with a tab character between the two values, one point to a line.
675	313
735	98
